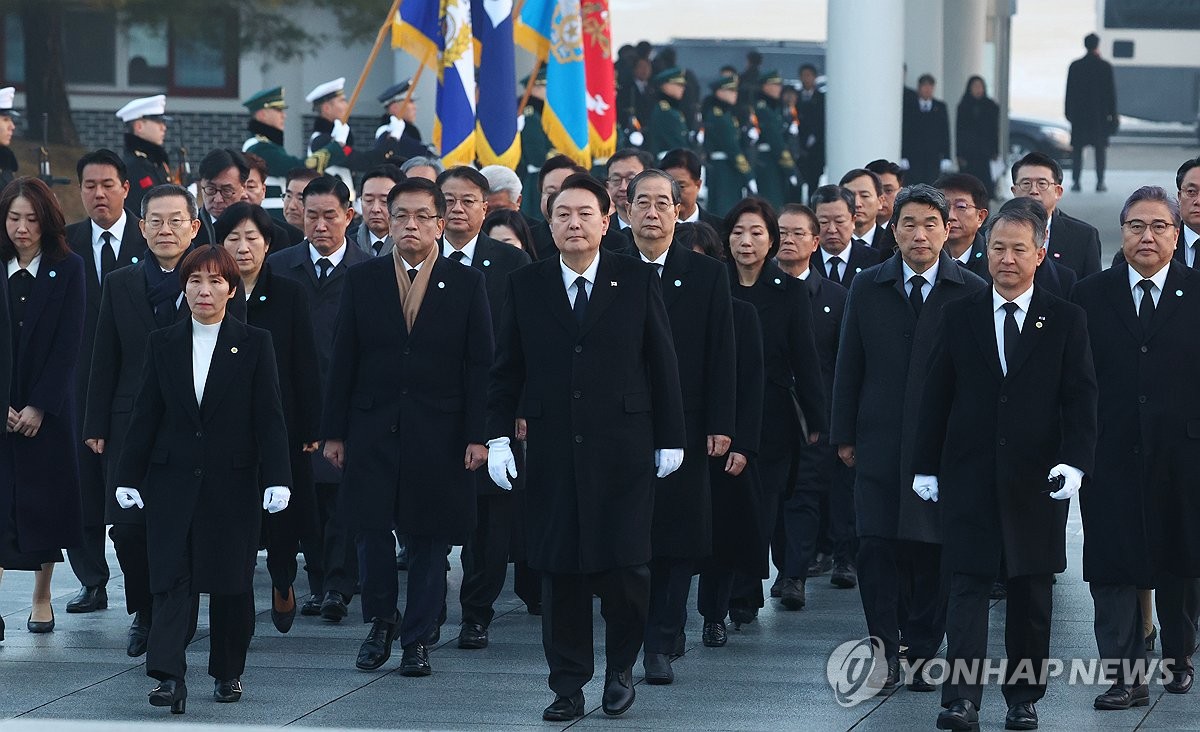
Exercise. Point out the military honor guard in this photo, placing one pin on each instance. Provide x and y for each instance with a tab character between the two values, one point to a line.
728	169
668	124
146	161
535	146
399	122
774	164
329	103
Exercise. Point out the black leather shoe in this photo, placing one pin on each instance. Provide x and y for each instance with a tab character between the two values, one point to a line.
961	714
658	669
844	577
333	607
534	609
139	634
377	648
88	600
618	691
472	636
228	691
311	606
40	626
822	564
1120	696
715	634
170	693
415	661
1181	679
283	609
792	595
1021	716
1	628
434	636
743	615
920	681
680	646
886	679
1100	187
777	587
1151	639
564	708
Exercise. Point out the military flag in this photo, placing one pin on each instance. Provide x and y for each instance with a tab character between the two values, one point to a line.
497	140
553	31
601	84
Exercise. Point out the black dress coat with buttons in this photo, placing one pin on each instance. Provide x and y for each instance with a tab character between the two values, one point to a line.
407	404
599	398
201	468
991	438
815	464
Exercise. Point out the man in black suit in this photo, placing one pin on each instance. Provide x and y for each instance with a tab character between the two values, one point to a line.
867	188
256	192
1139	514
223	176
320	266
699	309
585	357
1090	105
887	333
106	240
684	166
842	259
810	106
925	134
1002	412
1069	241
623	166
374	236
891	180
486	554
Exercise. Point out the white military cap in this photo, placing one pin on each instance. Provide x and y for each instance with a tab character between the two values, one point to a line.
328	90
153	107
6	101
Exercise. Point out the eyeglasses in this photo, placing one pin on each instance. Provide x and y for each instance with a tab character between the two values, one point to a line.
617	180
1028	184
451	202
225	192
662	205
962	207
154	224
420	217
1137	227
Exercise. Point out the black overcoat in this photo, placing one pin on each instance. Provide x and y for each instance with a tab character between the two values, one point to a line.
815	464
1090	104
1074	244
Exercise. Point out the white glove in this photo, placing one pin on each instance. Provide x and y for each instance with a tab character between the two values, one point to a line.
812	140
501	463
946	165
129	497
794	180
341	131
752	134
1072	484
276	498
668	460
700	136
793	129
904	163
753	186
636	138
395	128
520	122
926	486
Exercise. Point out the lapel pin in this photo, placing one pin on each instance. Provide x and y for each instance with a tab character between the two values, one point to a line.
1057	255
612	283
1179	293
978	255
857	270
262	298
233	350
827	308
487	263
134	260
441	285
1038	324
678	283
53	273
778	281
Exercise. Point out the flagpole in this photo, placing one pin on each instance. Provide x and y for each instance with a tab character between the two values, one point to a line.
412	86
362	78
537	67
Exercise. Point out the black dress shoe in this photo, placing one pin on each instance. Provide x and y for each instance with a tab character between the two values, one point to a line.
822	564
920	681
792	595
170	693
844	577
311	606
534	609
715	634
377	648
1120	696
333	607
415	661
228	691
658	669
1100	187
961	714
1181	679
472	636
680	646
564	708
139	634
743	615
1151	639
777	586
283	609
885	679
40	626
434	636
1021	715
89	599
618	691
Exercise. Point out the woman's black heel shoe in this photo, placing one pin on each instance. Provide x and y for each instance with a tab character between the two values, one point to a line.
170	693
1150	639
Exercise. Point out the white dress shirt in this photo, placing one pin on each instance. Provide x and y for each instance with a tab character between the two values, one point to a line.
1189	241
930	276
204	342
869	237
588	274
32	268
843	255
117	231
965	257
468	250
693	218
998	303
1046	242
659	263
1159	279
804	275
334	259
408	266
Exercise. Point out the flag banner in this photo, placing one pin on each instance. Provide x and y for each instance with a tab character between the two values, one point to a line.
553	31
497	140
601	82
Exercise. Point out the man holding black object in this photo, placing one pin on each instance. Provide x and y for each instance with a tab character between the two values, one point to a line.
1010	368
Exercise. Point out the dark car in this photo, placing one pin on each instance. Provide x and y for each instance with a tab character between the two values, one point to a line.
1032	135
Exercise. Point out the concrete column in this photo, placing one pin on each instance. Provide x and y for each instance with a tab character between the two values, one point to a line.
923	41
863	105
965	26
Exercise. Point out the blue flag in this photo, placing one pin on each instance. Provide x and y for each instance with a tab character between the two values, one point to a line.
553	31
497	141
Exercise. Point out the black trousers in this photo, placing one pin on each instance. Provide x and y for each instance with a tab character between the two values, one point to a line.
87	560
670	584
886	565
1026	636
485	561
331	558
1177	603
773	470
713	590
1118	627
425	598
231	624
1077	161
567	622
132	554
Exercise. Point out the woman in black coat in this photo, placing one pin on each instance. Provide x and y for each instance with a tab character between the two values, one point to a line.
40	510
207	434
279	306
977	132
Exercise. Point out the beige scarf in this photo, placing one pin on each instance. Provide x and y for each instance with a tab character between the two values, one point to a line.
412	293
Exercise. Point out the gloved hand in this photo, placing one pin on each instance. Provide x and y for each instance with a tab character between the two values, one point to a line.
395	128
700	136
752	134
1072	483
668	460
341	131
904	163
520	122
794	180
753	186
129	497
926	486
276	498
636	138
812	140
501	463
946	165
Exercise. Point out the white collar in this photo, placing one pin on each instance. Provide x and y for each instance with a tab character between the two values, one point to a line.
804	275
930	274
588	274
117	230
965	257
335	259
844	255
1021	300
205	331
693	218
1159	278
661	260
468	249
1189	236
36	262
869	237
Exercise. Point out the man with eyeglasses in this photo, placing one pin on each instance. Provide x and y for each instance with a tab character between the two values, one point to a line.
841	258
224	173
623	166
1187	180
1139	510
1069	241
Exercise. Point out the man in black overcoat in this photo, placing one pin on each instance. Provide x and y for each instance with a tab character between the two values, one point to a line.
1069	241
1009	402
585	356
842	257
887	333
925	134
1091	108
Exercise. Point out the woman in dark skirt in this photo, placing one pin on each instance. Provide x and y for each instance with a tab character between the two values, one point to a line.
40	510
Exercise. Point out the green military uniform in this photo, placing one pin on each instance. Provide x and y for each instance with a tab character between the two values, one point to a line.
773	165
535	149
727	168
668	125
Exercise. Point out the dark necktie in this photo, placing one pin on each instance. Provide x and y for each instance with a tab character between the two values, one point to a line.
833	269
377	246
108	260
412	274
916	296
457	256
1146	313
325	267
581	299
1011	334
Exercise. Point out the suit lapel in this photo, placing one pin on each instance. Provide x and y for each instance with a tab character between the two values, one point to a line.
133	244
45	281
179	358
604	291
1035	321
227	360
136	292
555	296
1120	297
435	294
1168	301
675	274
983	326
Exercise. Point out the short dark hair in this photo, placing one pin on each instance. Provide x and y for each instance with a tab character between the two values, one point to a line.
1091	41
558	162
584	182
301	174
647	174
681	158
926	79
170	190
626	153
221	159
209	258
49	216
1152	193
857	173
103	156
467	173
419	185
832	194
1041	160
330	185
966	183
700	235
799	209
244	211
759	207
386	170
256	162
809	67
515	221
921	193
1022	210
883	166
1183	171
